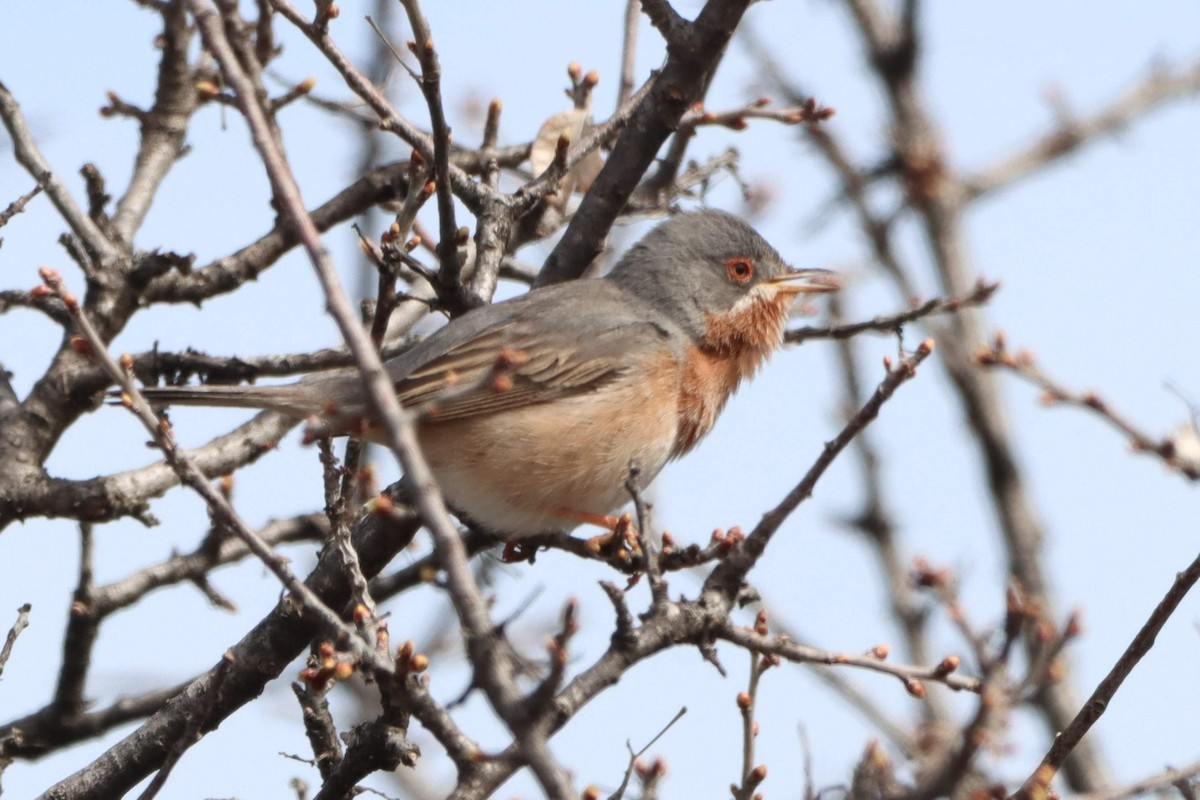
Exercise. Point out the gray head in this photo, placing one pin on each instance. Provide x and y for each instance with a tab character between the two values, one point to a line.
706	267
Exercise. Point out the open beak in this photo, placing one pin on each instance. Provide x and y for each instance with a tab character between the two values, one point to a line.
806	281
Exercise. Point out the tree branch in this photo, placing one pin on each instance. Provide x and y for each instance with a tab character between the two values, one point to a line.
1160	87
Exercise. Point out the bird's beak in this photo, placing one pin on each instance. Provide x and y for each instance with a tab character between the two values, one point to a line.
805	281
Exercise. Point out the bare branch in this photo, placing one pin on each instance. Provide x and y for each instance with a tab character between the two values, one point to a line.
787	649
82	629
196	725
18	205
125	494
731	572
1160	87
696	51
736	119
666	20
16	298
164	126
1181	779
258	658
1037	784
190	475
597	136
628	56
1023	365
30	157
124	592
11	639
853	179
633	757
471	193
319	728
46	730
894	323
229	272
450	274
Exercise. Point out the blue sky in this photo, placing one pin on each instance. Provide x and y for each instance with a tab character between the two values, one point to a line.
1098	260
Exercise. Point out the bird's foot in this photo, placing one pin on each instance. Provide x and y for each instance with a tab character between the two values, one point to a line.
621	539
516	551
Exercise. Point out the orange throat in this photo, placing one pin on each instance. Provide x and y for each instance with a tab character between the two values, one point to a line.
735	345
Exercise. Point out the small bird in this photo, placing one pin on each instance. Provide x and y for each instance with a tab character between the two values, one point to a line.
533	412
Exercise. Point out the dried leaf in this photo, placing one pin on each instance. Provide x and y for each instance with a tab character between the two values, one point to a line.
572	124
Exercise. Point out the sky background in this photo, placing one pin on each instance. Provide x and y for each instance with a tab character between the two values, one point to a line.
1098	260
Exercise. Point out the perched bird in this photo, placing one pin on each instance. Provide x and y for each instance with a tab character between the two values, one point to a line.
533	411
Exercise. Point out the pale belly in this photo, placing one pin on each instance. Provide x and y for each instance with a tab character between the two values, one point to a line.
538	468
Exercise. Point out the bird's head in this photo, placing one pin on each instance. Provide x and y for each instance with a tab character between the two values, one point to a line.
713	275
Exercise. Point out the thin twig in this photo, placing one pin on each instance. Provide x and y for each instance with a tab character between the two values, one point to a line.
195	728
1023	364
1037	785
450	273
319	727
192	477
746	701
649	548
30	157
11	639
471	193
628	50
18	205
1178	778
1160	87
909	675
729	575
891	324
83	627
338	511
633	757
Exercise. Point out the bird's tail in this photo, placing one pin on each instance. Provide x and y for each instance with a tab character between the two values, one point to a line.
293	400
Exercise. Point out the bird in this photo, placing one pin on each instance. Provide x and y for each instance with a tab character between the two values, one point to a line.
533	413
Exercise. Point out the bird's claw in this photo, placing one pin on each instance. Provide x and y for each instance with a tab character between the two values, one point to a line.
621	540
516	551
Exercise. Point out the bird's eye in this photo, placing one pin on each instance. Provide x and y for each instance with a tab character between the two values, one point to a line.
740	270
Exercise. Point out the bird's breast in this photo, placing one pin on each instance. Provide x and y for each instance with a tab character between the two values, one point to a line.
735	345
708	379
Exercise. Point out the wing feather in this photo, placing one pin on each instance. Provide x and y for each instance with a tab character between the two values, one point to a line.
559	340
502	370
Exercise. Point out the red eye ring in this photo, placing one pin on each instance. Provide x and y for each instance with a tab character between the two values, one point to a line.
740	269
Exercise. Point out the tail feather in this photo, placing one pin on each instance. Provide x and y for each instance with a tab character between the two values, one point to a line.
290	399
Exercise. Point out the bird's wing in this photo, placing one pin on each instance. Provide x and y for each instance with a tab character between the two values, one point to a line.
520	364
554	341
